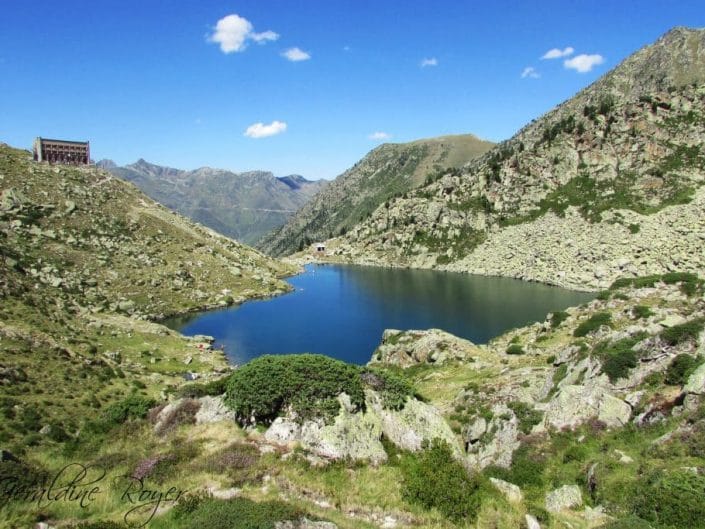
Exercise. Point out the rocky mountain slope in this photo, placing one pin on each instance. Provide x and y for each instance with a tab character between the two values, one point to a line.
243	206
386	172
86	260
608	183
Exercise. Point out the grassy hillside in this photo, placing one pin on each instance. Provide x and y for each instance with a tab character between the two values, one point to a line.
86	260
388	171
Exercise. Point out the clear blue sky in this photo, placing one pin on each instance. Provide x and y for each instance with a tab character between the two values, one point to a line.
164	80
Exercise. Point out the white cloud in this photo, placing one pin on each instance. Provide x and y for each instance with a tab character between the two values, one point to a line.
233	31
530	72
260	130
430	61
261	38
296	55
583	63
557	53
379	136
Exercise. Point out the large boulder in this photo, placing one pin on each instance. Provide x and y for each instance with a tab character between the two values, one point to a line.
352	434
497	447
407	348
415	423
214	409
574	405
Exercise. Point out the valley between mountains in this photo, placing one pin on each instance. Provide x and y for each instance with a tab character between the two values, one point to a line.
593	417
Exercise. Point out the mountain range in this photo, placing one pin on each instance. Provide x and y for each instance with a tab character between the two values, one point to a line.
389	171
244	206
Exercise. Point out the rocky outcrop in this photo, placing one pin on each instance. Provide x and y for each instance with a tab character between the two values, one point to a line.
433	346
493	442
415	423
575	405
352	435
357	435
621	163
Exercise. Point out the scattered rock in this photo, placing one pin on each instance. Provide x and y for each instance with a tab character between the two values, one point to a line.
566	497
510	491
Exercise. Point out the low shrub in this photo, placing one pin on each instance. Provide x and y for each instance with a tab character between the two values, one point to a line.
132	407
630	522
207	389
308	383
558	317
434	479
618	358
680	368
515	349
671	499
183	413
394	389
593	323
690	284
527	468
681	333
642	312
210	513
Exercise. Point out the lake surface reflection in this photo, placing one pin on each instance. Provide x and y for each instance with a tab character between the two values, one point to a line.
342	310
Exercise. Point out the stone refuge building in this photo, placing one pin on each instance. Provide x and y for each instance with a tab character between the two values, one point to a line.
62	151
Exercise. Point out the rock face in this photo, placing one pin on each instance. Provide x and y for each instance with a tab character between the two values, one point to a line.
574	405
621	163
213	409
244	206
357	435
696	382
387	171
496	444
566	497
433	346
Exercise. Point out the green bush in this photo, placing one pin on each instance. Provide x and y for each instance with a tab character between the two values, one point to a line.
690	284
631	522
680	368
527	416
99	524
209	513
132	407
527	469
515	349
684	332
208	389
618	357
671	499
394	389
307	383
434	479
593	323
642	312
558	317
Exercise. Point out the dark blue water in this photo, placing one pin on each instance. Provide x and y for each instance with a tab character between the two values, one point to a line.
341	311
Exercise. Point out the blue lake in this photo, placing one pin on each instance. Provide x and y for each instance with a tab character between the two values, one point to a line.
341	311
